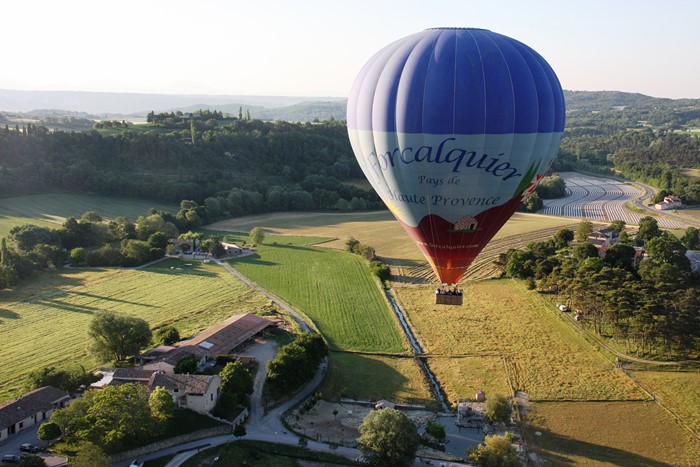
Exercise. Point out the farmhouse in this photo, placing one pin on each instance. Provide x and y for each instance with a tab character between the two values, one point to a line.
669	202
195	392
232	249
167	361
30	409
604	238
225	337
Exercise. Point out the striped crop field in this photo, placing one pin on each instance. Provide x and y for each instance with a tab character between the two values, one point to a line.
599	199
334	289
47	325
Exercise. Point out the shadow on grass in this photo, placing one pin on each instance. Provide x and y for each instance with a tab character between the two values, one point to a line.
289	246
7	314
409	268
178	267
252	259
102	297
556	447
364	377
55	303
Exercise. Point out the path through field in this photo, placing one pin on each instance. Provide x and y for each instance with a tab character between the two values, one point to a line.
599	199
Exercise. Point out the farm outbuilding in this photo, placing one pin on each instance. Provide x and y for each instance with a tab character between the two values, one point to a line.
225	337
30	409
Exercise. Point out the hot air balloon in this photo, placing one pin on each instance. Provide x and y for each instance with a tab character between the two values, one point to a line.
454	127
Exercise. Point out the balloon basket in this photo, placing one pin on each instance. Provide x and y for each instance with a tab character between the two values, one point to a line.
447	299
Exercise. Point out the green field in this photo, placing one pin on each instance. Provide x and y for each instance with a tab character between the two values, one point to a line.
260	454
45	323
394	378
48	209
333	288
380	230
609	434
545	357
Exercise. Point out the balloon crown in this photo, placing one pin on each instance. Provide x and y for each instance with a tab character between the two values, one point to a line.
457	28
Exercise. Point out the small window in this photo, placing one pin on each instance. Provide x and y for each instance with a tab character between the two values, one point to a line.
211	396
21	425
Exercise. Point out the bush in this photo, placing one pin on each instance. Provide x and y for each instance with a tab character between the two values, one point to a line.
167	335
498	409
380	270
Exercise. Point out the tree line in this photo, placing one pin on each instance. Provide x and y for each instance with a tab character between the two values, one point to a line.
90	241
637	136
275	165
652	305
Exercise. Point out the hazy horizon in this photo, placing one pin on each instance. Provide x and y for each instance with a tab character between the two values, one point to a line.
316	48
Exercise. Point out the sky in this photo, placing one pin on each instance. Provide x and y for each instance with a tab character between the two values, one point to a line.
316	48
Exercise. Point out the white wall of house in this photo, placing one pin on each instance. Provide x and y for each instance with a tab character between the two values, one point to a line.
205	402
30	421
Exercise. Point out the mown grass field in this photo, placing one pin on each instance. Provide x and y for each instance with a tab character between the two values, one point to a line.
333	288
545	357
45	322
47	209
393	378
609	433
380	230
678	391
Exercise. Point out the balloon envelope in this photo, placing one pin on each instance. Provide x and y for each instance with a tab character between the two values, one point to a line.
454	128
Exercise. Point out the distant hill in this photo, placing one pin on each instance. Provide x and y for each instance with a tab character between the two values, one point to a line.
610	100
302	112
124	104
129	106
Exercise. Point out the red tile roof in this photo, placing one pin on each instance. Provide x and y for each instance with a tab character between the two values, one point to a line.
222	338
186	384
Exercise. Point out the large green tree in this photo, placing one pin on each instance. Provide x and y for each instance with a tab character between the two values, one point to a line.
113	418
237	381
116	336
648	228
388	437
257	236
584	229
161	405
691	238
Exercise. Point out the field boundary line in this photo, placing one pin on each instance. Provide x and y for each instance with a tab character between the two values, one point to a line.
675	416
299	316
364	352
